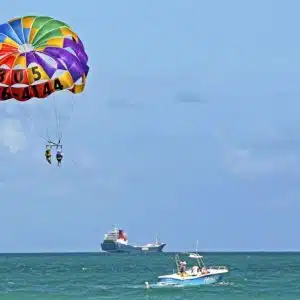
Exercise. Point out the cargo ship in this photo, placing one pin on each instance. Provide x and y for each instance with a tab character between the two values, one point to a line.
116	241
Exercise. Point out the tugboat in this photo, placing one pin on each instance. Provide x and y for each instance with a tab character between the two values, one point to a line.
116	241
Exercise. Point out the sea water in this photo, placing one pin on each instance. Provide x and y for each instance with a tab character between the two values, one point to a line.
122	276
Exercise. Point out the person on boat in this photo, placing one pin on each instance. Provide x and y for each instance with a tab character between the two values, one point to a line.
194	270
59	156
48	154
204	271
182	267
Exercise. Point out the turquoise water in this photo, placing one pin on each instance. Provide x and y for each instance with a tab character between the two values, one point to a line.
98	276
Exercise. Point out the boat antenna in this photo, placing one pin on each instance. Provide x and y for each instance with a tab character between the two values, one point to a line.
156	238
177	261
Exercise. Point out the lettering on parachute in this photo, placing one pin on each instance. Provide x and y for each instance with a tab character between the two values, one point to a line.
41	90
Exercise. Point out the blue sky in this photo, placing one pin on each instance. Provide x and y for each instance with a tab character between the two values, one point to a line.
189	128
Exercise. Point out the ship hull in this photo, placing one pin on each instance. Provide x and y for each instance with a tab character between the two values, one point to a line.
115	247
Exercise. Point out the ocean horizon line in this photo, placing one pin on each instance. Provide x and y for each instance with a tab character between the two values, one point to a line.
147	253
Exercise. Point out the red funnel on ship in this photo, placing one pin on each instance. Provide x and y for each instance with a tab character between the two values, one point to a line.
122	235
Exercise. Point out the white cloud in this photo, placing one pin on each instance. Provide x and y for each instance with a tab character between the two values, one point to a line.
252	162
12	135
271	154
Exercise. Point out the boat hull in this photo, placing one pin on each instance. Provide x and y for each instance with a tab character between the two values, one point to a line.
191	280
115	247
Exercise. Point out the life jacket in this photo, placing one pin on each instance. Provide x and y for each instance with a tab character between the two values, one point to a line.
59	154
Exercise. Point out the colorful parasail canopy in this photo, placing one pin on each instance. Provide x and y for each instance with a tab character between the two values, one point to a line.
39	56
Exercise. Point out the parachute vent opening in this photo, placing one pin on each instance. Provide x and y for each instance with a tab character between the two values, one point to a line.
33	64
63	63
19	85
58	73
48	59
25	48
79	81
71	37
39	81
19	67
70	50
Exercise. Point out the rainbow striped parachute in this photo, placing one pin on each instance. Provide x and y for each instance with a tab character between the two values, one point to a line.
39	56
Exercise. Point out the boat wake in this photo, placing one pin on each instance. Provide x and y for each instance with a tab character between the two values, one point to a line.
223	283
172	286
